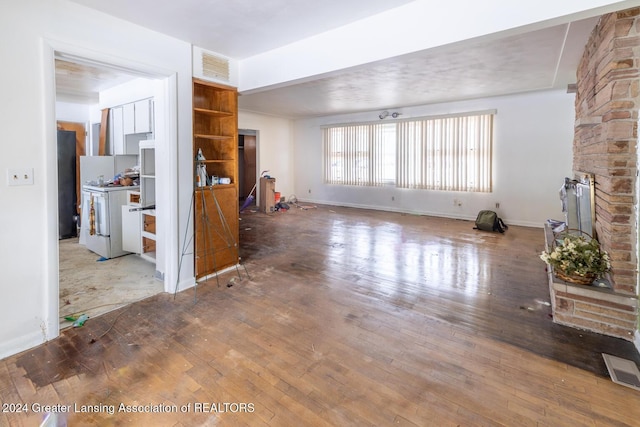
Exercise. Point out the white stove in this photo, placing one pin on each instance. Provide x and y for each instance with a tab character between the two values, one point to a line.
101	223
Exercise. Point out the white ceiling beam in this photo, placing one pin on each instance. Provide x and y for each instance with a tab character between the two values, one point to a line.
413	27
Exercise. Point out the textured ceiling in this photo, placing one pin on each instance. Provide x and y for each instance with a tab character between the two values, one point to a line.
82	83
241	28
468	70
498	64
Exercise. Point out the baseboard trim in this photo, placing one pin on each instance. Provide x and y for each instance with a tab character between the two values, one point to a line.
23	343
463	217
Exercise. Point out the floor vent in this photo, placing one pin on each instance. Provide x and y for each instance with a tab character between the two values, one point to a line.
622	371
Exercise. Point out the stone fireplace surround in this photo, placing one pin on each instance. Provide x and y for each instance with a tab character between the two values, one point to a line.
605	144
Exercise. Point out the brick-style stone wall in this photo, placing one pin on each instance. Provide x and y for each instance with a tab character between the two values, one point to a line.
606	135
605	144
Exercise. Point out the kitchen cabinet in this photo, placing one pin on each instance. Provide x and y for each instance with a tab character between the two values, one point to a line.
147	158
116	131
131	238
215	135
128	124
138	117
143	116
128	119
149	235
148	199
139	215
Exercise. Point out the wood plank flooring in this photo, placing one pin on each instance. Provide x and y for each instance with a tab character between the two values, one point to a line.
350	317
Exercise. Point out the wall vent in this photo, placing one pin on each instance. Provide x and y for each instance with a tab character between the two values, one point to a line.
215	67
622	371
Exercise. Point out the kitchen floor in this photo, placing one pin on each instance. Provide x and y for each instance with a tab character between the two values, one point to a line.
93	287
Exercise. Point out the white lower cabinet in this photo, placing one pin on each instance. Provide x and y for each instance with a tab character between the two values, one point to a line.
131	230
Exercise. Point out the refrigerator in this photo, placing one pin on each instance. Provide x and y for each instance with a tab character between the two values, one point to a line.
67	209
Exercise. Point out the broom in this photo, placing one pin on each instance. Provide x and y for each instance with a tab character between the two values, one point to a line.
249	200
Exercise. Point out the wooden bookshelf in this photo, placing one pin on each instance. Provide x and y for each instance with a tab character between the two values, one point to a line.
215	134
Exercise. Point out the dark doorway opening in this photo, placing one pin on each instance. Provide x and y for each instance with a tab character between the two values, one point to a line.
247	158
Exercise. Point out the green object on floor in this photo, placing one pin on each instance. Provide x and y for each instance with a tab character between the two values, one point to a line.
70	318
80	321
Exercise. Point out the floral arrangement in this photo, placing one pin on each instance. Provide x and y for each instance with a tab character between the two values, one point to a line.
577	255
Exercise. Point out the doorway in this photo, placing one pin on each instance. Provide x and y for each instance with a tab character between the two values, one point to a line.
88	283
247	163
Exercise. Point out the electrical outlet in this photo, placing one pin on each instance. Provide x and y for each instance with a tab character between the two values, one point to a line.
393	198
20	176
309	191
497	205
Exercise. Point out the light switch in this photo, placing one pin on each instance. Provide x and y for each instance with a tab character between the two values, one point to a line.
20	176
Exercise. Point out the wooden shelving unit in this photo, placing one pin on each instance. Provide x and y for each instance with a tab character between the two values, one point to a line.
215	133
148	198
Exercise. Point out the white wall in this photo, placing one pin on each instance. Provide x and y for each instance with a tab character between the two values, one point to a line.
275	147
532	155
71	112
29	264
131	91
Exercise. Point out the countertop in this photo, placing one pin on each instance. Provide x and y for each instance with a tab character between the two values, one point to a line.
108	188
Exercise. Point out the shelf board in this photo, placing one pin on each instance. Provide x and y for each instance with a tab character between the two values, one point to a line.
213	137
148	235
213	113
216	161
215	187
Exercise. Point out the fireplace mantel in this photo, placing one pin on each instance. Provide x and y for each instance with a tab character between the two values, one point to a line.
594	308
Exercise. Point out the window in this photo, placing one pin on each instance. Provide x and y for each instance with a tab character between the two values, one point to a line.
360	154
444	153
450	153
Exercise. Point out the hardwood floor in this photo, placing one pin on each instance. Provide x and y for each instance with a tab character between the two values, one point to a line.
349	317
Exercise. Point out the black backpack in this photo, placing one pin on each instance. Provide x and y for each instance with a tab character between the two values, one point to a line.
489	221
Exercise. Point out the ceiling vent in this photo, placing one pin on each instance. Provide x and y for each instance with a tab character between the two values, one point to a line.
622	371
215	67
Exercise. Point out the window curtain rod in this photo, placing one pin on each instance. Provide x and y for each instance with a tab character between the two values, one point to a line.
413	119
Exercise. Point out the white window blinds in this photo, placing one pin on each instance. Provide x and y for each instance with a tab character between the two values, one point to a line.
360	154
451	153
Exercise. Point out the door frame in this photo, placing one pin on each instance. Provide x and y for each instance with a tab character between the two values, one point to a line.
166	136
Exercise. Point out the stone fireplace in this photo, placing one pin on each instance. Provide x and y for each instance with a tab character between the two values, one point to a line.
605	145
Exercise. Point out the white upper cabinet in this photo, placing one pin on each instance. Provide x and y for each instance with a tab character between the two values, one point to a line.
116	130
138	117
144	116
128	117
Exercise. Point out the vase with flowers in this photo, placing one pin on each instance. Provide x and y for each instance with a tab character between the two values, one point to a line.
577	259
